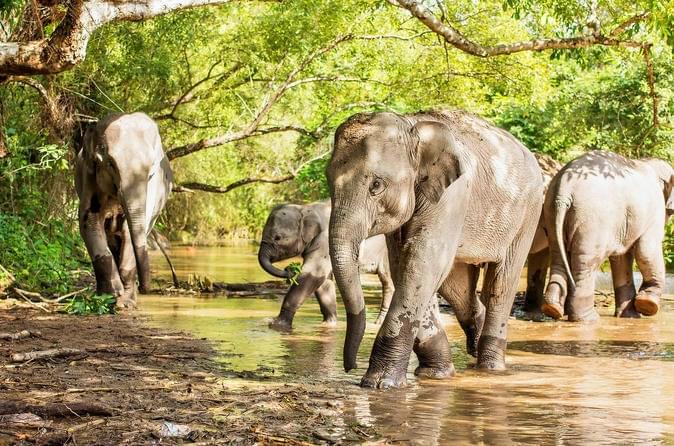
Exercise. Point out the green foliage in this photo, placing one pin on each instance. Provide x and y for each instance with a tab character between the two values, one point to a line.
91	304
295	269
668	245
311	181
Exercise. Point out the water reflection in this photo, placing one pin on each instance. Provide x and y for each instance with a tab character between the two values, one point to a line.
567	384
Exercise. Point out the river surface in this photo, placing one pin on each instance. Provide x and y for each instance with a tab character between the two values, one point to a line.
567	384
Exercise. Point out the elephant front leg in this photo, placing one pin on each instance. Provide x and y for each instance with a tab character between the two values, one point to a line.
623	285
307	284
432	347
386	293
93	232
648	253
537	270
459	290
327	301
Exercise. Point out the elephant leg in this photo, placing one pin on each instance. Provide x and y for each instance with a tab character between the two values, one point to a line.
623	285
92	229
432	347
580	303
651	263
459	290
308	283
327	301
127	269
498	293
537	270
387	288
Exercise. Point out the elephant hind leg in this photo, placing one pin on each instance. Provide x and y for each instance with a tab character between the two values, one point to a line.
648	253
327	301
537	270
459	290
580	302
432	347
623	285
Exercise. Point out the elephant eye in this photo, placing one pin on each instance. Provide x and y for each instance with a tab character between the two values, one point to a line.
277	237
377	186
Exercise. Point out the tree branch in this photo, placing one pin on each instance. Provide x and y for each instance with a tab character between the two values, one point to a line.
455	38
67	45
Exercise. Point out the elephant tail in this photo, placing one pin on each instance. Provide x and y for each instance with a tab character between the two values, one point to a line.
562	206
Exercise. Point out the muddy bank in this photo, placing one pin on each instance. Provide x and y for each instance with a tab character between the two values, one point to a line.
125	383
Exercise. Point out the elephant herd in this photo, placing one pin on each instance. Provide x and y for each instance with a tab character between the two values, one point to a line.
429	201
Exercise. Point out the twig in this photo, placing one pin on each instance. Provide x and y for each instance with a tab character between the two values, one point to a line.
43	354
30	302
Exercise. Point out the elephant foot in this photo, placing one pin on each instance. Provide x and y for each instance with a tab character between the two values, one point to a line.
553	310
329	322
280	324
626	309
435	358
472	329
387	378
585	317
647	304
491	354
435	372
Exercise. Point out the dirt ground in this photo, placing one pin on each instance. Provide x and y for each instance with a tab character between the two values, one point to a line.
131	384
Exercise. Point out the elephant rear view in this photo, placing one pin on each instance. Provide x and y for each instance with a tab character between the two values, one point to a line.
123	180
604	205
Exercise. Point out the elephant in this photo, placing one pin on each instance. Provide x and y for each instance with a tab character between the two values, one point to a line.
604	205
123	179
539	254
302	230
450	192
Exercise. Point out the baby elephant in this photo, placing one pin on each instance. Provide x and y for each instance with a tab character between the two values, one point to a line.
302	230
603	205
123	179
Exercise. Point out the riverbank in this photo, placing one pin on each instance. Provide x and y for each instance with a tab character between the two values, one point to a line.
114	380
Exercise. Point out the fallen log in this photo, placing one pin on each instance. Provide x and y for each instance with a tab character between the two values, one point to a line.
42	354
20	335
55	410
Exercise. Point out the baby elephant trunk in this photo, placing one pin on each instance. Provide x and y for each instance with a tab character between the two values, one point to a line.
264	257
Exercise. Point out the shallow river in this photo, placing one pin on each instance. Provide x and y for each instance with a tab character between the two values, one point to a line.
566	384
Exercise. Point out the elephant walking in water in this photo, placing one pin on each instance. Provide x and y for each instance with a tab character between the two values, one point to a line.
450	191
123	179
302	230
539	254
604	205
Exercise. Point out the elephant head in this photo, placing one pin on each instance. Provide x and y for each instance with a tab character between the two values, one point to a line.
382	168
665	174
291	230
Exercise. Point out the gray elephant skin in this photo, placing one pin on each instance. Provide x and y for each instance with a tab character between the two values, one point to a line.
539	254
604	205
295	230
123	179
451	192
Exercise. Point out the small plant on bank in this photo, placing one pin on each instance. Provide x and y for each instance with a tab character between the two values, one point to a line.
295	269
91	304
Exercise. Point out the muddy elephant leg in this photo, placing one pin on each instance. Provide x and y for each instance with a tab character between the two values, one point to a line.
459	290
327	301
384	274
308	283
498	292
651	263
432	347
92	229
537	270
127	269
623	285
580	303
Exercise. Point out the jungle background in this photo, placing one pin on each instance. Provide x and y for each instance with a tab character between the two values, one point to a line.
247	96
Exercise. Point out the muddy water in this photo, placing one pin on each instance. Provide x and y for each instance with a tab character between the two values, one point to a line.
567	384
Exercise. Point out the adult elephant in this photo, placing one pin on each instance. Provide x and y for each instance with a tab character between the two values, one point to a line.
539	254
295	230
604	205
123	179
450	191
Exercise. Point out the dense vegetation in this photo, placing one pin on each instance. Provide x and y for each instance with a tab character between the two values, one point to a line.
274	79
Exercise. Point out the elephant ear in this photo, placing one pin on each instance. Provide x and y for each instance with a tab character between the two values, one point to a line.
669	194
311	229
437	157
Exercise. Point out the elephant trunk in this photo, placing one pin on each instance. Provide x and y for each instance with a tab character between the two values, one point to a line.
346	235
136	221
264	258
